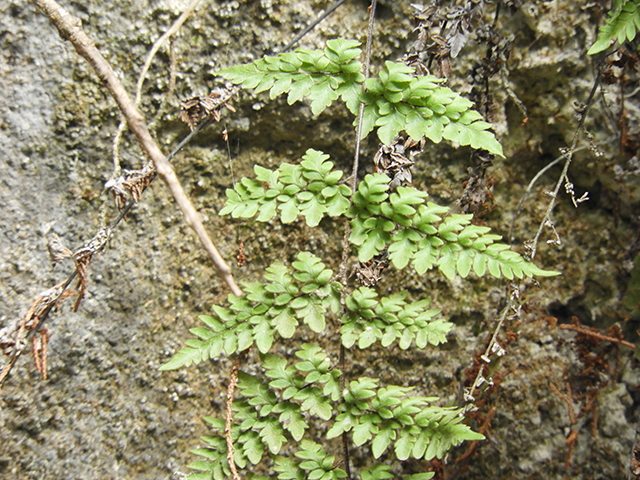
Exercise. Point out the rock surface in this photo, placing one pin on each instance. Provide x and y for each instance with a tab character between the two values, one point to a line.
106	412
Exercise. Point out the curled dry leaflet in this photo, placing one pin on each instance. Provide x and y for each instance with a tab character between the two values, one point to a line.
57	251
392	160
131	184
13	337
368	274
83	257
242	256
195	109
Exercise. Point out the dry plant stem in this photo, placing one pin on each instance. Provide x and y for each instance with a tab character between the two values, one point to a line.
484	429
70	29
573	436
530	187
143	74
356	157
597	335
563	176
233	382
503	315
43	316
571	443
566	399
463	460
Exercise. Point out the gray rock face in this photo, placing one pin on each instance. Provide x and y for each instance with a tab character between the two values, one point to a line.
105	410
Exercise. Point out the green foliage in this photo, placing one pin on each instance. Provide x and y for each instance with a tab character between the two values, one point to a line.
394	101
413	230
398	101
309	189
622	25
390	319
303	293
389	416
277	421
320	75
417	232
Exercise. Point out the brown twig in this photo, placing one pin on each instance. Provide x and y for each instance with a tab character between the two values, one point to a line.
484	429
70	29
568	399
233	382
573	436
571	443
143	74
600	336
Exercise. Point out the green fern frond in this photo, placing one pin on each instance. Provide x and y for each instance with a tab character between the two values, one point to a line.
303	293
622	25
414	232
389	319
397	101
391	416
310	189
321	75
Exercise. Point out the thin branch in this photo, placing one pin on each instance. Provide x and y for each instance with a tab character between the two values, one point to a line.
600	336
345	240
311	26
367	65
143	74
530	187
568	399
479	380
568	156
70	29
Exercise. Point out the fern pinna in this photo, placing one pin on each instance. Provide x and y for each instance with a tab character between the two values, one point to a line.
279	405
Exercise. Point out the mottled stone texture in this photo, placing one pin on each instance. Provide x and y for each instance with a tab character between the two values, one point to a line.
107	413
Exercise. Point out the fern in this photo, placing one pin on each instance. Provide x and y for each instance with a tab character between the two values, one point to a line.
310	189
622	25
398	101
288	297
395	101
388	416
283	397
412	229
322	76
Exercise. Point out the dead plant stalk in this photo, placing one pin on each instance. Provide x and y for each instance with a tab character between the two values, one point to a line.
70	28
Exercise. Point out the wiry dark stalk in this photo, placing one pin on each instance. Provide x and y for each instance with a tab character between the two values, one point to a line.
568	155
528	191
345	240
313	25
